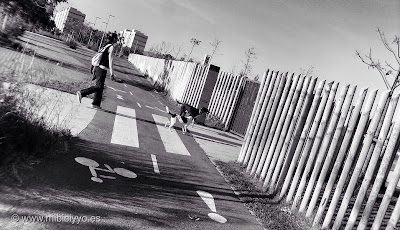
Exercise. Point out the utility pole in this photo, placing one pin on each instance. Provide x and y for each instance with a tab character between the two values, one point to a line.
102	37
91	31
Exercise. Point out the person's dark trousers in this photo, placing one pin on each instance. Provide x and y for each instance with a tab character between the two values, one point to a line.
97	89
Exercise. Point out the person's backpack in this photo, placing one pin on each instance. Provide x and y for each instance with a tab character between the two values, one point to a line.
97	58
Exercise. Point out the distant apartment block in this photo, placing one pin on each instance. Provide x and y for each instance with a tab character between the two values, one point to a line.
67	15
134	39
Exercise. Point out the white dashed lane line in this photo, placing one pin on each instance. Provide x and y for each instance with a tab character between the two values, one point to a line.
155	165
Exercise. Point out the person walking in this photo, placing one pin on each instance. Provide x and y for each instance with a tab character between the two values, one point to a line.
100	73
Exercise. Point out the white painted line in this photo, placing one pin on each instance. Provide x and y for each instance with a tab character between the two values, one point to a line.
155	165
130	92
119	97
171	140
125	128
139	104
116	90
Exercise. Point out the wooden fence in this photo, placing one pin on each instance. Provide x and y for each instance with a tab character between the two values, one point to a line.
225	96
186	81
325	151
173	76
244	107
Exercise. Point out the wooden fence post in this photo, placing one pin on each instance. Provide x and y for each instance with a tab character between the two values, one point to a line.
360	161
316	143
310	129
323	139
214	93
293	115
275	140
256	109
264	114
295	129
230	99
266	101
269	132
372	164
350	157
394	218
379	180
235	101
224	92
221	95
331	143
341	154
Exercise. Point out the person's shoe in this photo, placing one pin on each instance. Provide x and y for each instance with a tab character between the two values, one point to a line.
96	106
79	96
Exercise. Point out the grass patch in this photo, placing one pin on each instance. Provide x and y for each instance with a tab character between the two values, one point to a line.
272	214
26	135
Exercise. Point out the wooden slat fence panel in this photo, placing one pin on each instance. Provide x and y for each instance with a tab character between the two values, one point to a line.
313	147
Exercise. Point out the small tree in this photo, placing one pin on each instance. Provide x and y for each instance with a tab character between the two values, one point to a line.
247	67
194	42
387	69
307	72
216	45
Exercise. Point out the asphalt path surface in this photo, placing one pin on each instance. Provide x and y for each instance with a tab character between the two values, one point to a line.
142	187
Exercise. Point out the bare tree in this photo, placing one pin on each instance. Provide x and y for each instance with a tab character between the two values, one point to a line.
177	49
194	42
385	70
216	45
247	67
307	72
233	69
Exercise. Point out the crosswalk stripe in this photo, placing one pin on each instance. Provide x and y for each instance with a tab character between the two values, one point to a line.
171	140
125	128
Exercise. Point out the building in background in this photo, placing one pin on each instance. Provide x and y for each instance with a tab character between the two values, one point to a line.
134	39
67	15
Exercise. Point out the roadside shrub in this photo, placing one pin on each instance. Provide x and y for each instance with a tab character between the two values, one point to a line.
15	28
49	34
25	134
126	51
71	43
213	121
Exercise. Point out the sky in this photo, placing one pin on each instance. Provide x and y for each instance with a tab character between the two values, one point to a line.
287	35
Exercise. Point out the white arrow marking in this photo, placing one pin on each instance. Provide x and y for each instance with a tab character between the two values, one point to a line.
208	199
116	90
119	97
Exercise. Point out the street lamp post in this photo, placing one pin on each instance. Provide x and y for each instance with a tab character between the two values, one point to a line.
102	37
91	31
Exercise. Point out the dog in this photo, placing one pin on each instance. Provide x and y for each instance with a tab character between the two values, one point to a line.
174	117
198	115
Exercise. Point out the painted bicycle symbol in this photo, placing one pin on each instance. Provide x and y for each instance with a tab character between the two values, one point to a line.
93	167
